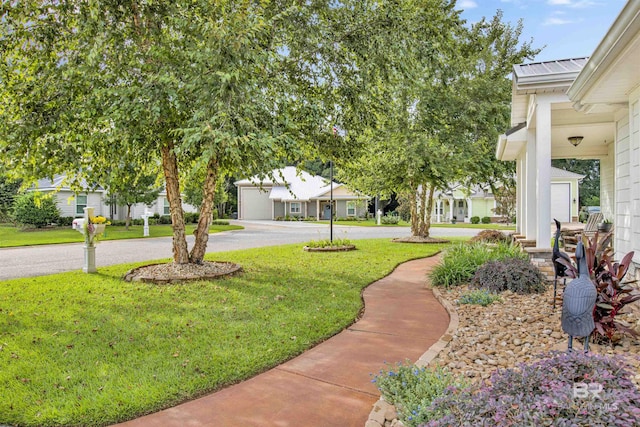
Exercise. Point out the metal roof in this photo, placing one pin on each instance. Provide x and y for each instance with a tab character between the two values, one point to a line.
547	76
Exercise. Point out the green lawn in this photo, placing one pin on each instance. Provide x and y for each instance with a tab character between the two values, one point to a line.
372	223
78	349
11	236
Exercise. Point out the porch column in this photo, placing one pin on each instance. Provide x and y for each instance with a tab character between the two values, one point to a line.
543	163
531	201
451	208
438	207
469	208
520	182
318	210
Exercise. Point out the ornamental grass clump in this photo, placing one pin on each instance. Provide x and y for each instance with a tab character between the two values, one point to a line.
412	389
511	274
561	389
461	261
326	243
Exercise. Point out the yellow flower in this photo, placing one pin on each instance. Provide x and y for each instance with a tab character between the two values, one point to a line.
97	219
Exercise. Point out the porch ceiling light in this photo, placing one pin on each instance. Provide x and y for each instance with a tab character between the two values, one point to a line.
575	140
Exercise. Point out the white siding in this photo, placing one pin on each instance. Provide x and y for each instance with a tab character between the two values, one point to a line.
634	147
622	220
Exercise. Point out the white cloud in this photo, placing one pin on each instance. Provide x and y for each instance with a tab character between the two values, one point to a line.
467	4
555	20
575	4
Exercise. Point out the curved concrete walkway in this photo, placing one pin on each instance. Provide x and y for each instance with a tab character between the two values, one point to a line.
330	384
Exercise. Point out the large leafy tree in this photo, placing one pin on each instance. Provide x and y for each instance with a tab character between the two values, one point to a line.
443	108
219	85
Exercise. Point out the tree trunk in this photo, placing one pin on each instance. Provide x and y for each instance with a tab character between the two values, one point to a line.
421	202
128	219
202	231
426	208
415	219
170	169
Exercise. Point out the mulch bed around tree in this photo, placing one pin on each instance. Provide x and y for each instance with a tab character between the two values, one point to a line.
178	273
418	239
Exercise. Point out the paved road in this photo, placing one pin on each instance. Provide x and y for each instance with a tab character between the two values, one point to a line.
47	259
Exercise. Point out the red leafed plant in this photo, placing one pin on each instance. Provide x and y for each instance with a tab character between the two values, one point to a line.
613	294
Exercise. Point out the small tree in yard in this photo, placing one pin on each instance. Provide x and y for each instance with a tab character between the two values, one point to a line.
8	192
35	209
505	202
144	191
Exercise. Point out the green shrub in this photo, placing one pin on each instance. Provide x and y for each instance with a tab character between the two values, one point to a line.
475	220
35	209
65	221
191	217
164	219
543	393
390	219
479	297
486	220
515	275
412	389
122	223
461	261
220	222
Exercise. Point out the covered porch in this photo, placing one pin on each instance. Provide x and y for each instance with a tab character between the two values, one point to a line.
546	126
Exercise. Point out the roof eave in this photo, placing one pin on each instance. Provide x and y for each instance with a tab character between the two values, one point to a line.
626	25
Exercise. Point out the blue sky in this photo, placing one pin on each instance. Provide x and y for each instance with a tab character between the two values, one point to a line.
568	28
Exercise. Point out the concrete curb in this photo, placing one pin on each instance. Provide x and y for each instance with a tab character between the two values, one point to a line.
382	409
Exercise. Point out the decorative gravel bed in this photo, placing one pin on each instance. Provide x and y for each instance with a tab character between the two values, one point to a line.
515	330
176	273
504	334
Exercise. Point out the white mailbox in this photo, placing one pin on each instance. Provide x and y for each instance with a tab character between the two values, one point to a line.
78	225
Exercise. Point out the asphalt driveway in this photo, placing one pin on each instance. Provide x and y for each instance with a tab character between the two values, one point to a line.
47	259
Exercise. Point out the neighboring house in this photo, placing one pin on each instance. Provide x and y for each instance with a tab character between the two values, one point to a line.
480	202
296	193
71	203
597	101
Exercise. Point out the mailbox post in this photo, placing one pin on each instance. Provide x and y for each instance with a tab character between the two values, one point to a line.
89	231
145	217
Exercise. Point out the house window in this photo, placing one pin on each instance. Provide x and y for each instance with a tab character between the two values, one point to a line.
81	203
461	203
294	207
166	210
351	208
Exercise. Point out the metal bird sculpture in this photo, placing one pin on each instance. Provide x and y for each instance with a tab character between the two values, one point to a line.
578	302
559	268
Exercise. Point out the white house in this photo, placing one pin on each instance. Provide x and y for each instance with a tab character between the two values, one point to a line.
584	108
295	193
461	203
71	203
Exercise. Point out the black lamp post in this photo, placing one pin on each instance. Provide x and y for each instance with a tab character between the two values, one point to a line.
331	201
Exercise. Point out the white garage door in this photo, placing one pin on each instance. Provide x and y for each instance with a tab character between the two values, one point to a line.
255	203
561	202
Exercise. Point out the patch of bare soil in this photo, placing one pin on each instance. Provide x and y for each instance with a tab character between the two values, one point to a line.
418	239
177	273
